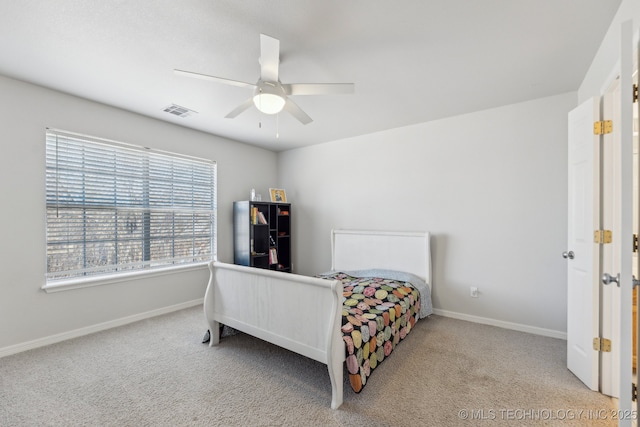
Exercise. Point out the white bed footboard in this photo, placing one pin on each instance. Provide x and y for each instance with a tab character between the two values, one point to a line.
299	313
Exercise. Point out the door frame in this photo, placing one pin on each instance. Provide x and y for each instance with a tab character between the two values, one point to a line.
628	60
609	307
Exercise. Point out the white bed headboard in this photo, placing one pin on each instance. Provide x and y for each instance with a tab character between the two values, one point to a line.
392	250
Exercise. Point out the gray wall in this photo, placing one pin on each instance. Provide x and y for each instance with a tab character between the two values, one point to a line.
28	314
491	186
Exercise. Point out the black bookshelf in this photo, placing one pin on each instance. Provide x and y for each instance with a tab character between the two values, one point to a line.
262	235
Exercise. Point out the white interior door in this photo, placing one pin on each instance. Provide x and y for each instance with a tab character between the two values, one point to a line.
611	253
582	254
628	59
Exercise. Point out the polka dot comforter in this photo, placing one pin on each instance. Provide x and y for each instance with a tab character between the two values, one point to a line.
377	313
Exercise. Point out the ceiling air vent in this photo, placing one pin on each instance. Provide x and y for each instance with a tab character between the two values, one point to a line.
179	111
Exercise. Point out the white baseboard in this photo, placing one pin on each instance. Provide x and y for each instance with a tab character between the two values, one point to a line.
502	324
41	342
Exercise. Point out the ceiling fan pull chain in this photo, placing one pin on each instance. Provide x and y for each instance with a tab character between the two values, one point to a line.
277	126
260	109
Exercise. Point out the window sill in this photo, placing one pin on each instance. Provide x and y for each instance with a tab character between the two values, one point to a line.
68	284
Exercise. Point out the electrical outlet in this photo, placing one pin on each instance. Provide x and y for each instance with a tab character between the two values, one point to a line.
473	292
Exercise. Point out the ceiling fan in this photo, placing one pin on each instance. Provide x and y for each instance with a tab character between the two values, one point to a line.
270	95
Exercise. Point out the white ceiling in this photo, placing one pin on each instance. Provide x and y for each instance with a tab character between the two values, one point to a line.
412	61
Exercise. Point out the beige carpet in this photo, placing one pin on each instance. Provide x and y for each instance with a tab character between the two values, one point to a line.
157	373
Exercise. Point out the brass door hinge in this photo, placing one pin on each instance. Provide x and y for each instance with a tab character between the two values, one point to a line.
602	344
602	236
634	392
602	127
635	93
635	243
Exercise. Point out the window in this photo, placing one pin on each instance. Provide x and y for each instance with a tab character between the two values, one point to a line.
113	207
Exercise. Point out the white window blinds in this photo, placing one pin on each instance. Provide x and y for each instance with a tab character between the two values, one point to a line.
113	207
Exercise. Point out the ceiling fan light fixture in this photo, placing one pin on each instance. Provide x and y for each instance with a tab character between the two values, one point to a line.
269	103
269	97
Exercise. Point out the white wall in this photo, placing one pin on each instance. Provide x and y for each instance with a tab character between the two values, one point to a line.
491	186
605	65
28	314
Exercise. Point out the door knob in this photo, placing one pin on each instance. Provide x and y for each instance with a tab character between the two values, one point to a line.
608	279
569	255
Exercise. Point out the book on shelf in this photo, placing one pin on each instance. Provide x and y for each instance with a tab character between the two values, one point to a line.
257	217
273	256
261	218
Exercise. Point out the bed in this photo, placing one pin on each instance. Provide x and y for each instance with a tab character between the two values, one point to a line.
269	304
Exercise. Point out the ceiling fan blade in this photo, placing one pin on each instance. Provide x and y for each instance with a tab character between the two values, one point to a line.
213	79
293	109
240	108
318	88
269	58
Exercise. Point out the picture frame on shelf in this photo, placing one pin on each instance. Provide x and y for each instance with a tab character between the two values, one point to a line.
278	195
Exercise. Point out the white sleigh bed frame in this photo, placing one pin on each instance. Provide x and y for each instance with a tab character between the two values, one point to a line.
244	298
